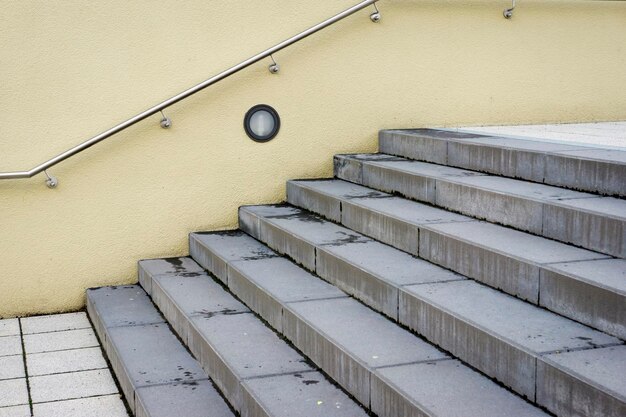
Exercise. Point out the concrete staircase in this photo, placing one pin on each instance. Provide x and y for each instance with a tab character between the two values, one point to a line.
451	275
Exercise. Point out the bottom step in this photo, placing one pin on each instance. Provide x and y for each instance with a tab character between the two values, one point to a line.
158	376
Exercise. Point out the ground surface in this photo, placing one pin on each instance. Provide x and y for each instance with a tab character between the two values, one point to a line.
606	134
53	366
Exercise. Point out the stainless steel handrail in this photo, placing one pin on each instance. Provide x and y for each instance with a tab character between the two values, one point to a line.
52	182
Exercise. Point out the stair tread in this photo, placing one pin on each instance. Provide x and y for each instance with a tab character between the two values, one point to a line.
533	329
606	273
452	389
502	239
604	367
237	350
156	373
194	399
595	170
376	344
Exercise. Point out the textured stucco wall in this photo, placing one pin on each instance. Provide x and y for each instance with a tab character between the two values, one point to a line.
72	69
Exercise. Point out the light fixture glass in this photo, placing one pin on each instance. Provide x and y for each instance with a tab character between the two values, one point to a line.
261	123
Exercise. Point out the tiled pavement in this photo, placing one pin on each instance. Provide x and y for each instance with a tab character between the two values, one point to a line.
65	374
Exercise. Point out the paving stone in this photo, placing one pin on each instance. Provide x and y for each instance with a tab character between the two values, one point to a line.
149	354
232	347
303	394
317	195
350	168
15	411
496	333
180	297
597	224
14	392
102	406
71	385
347	340
372	272
224	247
55	323
148	268
9	327
69	339
120	306
266	284
500	257
392	220
589	382
12	367
425	389
193	399
10	345
275	225
592	292
65	361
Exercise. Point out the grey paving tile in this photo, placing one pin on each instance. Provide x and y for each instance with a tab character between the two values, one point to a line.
71	385
69	339
121	306
15	411
274	225
239	346
306	394
403	390
214	250
180	297
10	345
195	399
14	392
65	361
9	327
102	406
266	284
55	322
149	354
148	268
12	367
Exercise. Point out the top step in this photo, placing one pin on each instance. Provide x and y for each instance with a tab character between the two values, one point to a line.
596	170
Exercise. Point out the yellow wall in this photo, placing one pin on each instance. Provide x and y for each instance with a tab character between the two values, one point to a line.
74	68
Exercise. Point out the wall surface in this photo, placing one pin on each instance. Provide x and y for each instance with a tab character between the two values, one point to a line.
72	69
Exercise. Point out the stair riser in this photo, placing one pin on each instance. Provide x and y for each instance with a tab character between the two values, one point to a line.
497	270
544	218
345	370
594	306
565	395
543	166
426	149
493	356
394	232
359	283
597	176
588	230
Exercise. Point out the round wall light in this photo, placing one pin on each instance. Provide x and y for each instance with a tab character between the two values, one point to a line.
261	123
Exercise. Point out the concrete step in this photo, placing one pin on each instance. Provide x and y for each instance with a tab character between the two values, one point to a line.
526	266
583	219
582	168
258	372
500	335
158	376
378	362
